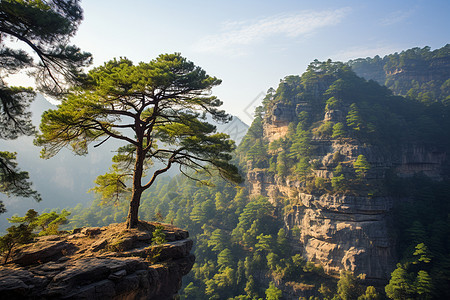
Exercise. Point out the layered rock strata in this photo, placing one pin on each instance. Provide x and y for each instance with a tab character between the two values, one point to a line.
342	231
99	263
345	233
339	232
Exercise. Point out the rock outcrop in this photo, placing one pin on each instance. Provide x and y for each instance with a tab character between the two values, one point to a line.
350	231
345	232
336	231
99	263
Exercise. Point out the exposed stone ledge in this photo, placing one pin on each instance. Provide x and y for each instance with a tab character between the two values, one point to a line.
345	232
82	265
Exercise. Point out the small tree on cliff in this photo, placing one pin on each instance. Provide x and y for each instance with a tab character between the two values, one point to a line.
361	166
158	109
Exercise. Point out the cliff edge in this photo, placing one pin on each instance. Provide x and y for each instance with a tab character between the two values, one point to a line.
99	263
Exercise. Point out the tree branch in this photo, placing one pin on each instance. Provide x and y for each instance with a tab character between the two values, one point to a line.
99	144
112	134
38	51
163	170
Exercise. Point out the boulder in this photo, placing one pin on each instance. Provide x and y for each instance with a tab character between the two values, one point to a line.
41	251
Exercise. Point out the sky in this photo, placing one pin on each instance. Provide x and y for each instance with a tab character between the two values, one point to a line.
252	45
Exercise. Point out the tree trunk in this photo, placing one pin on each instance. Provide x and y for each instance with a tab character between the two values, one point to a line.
133	218
133	212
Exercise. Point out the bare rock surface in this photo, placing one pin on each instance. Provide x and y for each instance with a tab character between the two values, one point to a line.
346	232
99	263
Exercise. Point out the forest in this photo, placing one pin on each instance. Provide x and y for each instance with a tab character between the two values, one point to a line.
416	73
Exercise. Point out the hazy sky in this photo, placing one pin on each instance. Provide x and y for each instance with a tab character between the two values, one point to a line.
251	45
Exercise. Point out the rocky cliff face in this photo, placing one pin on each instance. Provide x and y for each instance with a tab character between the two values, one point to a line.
342	230
436	70
417	70
345	232
99	263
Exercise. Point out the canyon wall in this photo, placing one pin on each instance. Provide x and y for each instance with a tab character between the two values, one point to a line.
342	230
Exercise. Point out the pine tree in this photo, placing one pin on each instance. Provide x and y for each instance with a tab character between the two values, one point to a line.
282	242
347	286
303	167
250	287
361	166
370	294
416	233
338	131
282	168
273	293
354	120
424	285
400	285
264	242
43	27
217	240
257	153
225	258
162	104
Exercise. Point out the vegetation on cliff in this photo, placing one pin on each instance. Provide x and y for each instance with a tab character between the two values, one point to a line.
356	111
417	73
30	226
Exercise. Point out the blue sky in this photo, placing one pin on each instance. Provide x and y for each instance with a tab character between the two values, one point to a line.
251	45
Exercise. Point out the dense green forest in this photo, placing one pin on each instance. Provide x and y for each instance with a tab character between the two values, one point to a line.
242	248
417	73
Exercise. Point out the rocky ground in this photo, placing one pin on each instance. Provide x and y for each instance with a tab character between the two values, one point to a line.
99	263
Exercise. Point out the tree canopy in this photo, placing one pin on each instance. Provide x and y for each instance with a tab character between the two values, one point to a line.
45	28
158	109
418	73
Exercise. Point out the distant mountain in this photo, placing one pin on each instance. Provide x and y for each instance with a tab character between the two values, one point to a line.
236	129
417	73
63	180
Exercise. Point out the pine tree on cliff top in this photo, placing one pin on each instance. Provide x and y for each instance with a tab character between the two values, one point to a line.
156	108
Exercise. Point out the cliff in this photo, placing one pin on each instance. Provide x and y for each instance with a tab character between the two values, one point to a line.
99	263
417	72
311	169
338	231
